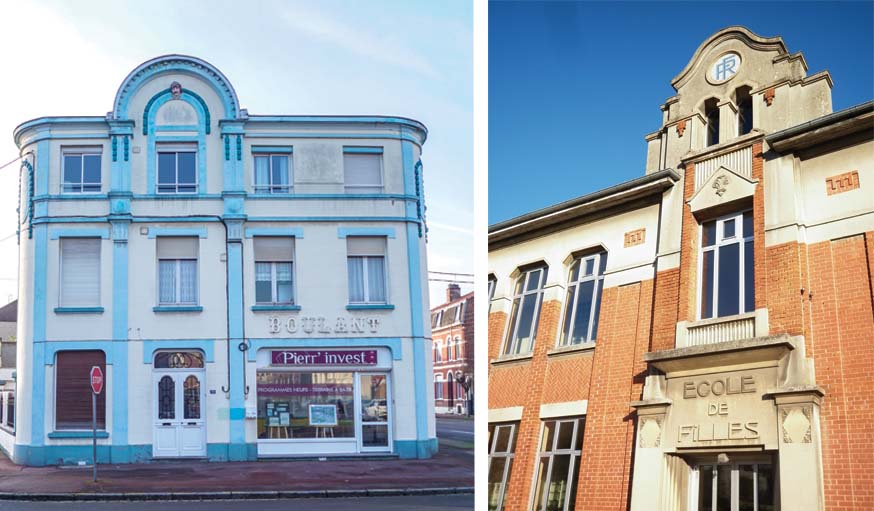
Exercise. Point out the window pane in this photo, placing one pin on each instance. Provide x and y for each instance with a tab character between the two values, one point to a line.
496	480
355	267
262	173
191	404
284	288
705	488
92	168
166	398
723	487
285	402
166	168
766	488
502	441
707	271
584	311
728	229
745	495
558	484
263	283
749	278
374	436
568	314
280	170
533	281
590	267
166	281
575	475
748	223
729	280
187	168
597	311
565	434
72	169
188	284
575	271
542	469
548	435
578	445
526	319
511	329
374	406
376	279
708	232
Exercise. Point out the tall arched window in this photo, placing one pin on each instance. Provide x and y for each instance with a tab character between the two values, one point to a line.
583	303
437	356
711	113
744	110
525	313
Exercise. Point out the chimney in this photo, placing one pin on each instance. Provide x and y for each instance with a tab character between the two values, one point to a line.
453	292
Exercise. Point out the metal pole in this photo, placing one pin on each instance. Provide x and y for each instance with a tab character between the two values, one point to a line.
94	432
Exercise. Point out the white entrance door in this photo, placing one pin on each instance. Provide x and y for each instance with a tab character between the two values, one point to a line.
374	403
179	427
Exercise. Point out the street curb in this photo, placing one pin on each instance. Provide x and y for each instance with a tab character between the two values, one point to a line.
236	495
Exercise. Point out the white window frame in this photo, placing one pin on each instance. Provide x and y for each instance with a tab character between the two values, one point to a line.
695	475
438	356
61	270
177	277
573	478
82	152
510	347
176	149
270	188
438	386
449	354
274	283
739	239
381	185
458	348
598	277
509	454
366	276
493	283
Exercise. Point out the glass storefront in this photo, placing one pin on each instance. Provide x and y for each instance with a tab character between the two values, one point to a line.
305	405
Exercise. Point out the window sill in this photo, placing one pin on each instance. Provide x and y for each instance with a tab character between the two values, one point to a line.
369	306
573	348
78	434
7	429
260	308
178	308
508	359
78	310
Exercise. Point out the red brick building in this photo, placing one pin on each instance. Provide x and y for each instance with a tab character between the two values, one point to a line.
701	337
452	345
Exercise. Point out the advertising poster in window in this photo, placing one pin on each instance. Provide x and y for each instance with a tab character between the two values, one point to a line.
323	415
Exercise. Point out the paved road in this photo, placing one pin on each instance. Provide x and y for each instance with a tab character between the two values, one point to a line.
418	503
455	429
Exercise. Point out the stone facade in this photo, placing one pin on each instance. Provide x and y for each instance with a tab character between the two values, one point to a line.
733	340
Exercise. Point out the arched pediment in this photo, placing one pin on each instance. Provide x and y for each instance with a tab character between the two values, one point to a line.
168	64
739	33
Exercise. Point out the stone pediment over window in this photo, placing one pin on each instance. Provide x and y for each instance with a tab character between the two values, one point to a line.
723	187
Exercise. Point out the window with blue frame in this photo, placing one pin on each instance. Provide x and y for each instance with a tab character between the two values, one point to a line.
273	173
81	170
177	168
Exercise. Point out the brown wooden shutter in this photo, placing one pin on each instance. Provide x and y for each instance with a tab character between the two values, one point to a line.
73	390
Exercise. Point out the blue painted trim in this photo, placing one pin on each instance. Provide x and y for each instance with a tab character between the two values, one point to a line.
360	136
368	119
392	343
369	306
297	232
120	398
153	140
77	434
176	127
72	196
178	308
51	348
237	414
207	346
203	219
236	358
416	449
71	455
261	308
177	196
325	196
343	232
164	96
78	310
101	233
362	150
176	138
154	232
260	149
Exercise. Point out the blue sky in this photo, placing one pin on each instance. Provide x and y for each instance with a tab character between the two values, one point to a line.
406	58
574	87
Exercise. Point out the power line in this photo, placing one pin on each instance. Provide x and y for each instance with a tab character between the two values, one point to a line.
15	160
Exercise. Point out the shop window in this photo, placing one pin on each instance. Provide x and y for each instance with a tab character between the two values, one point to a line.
273	173
502	444
711	113
366	265
744	110
304	405
274	270
438	386
73	389
177	270
583	301
727	269
362	170
177	168
80	272
525	313
81	170
558	467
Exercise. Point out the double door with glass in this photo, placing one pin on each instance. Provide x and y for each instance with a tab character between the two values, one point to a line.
737	486
179	425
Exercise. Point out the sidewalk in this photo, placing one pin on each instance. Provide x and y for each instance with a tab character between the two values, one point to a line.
450	471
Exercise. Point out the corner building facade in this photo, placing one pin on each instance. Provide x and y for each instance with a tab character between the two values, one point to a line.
252	285
697	338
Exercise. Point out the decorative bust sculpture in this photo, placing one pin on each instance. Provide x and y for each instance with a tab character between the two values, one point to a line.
176	89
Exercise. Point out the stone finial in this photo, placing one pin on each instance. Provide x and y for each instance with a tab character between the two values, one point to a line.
681	127
769	95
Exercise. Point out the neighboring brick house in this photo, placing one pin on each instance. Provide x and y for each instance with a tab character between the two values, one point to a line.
652	345
452	345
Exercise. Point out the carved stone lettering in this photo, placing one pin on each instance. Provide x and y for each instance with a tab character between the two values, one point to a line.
315	325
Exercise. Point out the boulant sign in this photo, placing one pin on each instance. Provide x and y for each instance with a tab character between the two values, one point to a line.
323	358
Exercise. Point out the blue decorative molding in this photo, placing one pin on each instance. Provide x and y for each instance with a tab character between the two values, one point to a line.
51	348
207	346
102	233
78	434
239	148
177	308
154	232
236	358
358	136
263	308
28	216
343	232
227	148
126	139
153	139
420	200
296	232
370	306
362	150
78	310
392	343
275	149
114	148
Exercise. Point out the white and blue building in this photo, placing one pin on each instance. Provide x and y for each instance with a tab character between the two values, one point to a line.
252	285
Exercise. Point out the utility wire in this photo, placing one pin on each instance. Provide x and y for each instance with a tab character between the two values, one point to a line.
15	160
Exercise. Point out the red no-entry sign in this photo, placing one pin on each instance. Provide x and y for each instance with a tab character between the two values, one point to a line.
96	379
